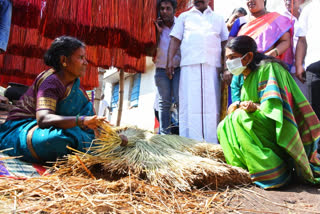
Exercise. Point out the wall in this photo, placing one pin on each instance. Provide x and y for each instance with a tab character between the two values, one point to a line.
143	115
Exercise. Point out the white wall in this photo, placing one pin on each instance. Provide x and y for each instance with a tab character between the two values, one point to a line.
143	115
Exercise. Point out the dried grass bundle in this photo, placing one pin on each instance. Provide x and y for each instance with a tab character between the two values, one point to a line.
128	195
163	160
208	150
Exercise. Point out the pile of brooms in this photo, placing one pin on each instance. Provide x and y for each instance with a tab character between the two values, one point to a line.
129	169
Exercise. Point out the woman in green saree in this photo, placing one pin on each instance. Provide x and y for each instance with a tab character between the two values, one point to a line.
55	112
272	132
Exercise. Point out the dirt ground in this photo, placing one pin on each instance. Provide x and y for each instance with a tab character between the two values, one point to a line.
292	199
295	198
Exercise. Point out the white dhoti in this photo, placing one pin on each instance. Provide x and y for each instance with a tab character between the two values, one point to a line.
199	102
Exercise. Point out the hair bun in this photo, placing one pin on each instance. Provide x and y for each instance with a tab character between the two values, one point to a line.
48	59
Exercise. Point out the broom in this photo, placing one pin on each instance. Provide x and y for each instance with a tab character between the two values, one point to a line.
163	160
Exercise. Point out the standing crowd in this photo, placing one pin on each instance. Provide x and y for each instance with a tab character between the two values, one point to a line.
269	61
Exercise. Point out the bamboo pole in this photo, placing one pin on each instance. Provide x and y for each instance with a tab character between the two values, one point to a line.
121	86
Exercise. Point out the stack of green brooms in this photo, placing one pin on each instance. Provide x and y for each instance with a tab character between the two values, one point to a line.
162	160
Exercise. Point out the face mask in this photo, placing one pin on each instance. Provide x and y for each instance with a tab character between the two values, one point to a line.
235	66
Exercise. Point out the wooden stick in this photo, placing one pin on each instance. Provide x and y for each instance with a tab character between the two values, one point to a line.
85	168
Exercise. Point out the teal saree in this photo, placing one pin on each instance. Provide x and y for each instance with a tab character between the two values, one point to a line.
40	145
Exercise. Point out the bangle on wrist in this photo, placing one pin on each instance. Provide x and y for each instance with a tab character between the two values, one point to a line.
276	50
82	126
77	120
81	121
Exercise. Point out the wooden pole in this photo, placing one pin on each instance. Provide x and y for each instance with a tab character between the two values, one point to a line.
121	86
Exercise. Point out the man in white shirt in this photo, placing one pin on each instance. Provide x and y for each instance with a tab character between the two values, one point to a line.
167	86
103	107
201	34
299	44
309	21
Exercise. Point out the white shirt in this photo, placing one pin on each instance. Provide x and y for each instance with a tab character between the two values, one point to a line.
309	21
201	35
298	32
162	50
102	107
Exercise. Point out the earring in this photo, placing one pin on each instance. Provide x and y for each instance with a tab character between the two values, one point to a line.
64	64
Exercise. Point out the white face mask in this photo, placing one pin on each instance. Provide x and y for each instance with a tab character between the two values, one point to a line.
235	66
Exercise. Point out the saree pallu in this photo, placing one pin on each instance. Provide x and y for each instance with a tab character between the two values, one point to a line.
267	30
39	145
278	141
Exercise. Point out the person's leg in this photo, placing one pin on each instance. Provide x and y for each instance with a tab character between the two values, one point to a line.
315	89
308	82
164	90
211	98
175	93
303	86
313	94
175	86
5	23
190	103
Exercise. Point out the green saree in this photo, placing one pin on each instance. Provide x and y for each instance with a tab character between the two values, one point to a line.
278	141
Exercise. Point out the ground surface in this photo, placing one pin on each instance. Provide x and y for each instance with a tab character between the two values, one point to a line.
296	198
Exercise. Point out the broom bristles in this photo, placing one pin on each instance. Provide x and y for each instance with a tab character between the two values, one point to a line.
163	160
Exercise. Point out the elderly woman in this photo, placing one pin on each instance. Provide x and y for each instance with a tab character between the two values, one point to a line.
55	112
269	132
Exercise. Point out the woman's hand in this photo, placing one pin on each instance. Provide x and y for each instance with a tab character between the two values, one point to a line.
231	21
281	45
248	106
92	122
233	107
4	100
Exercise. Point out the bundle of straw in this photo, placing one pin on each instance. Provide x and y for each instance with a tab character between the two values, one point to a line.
163	160
208	150
69	194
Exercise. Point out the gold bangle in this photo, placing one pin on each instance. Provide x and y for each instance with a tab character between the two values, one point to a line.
276	50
